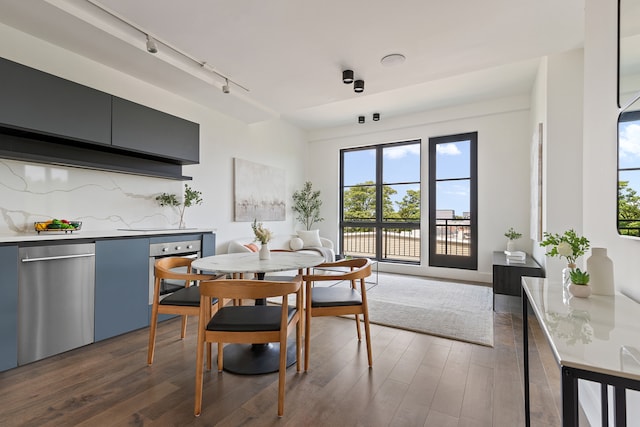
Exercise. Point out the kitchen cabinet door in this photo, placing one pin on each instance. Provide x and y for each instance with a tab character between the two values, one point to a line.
145	130
42	103
122	286
8	307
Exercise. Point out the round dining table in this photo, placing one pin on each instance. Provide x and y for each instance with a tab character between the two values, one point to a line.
253	359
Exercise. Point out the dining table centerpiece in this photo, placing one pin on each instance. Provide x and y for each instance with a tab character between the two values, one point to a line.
263	235
570	246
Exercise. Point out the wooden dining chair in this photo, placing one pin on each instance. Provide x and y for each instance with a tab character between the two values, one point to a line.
338	300
183	302
258	324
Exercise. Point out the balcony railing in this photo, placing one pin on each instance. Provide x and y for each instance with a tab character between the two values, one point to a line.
397	244
453	237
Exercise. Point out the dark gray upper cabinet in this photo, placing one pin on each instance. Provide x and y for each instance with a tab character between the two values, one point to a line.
145	130
38	102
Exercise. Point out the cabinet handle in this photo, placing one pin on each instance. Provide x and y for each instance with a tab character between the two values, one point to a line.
57	257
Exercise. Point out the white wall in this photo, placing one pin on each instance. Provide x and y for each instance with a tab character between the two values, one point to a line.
560	87
599	168
105	200
503	183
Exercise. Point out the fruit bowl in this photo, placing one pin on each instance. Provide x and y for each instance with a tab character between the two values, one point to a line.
57	225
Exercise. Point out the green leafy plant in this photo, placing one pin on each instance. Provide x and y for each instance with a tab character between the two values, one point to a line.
579	277
512	234
306	204
263	235
568	245
191	198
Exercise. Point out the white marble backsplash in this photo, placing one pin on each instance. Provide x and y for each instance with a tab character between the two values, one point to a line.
31	192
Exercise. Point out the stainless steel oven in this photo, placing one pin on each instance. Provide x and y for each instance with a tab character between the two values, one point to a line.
186	248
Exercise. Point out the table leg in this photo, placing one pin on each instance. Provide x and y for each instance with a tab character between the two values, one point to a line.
525	350
620	406
569	398
604	404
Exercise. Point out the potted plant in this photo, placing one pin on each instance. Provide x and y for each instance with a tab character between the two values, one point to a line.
579	286
263	235
191	197
512	235
306	204
568	245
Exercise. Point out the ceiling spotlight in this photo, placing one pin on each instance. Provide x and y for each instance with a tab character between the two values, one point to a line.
376	117
358	86
392	59
347	76
151	45
360	119
225	87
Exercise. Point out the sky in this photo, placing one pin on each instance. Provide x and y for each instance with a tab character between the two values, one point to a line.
629	152
402	164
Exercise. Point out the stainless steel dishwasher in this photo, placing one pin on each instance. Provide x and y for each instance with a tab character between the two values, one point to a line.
56	287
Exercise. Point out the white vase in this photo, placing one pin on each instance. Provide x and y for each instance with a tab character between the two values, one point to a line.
264	253
580	291
566	274
600	269
511	245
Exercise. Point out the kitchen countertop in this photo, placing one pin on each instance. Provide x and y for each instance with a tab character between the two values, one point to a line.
96	234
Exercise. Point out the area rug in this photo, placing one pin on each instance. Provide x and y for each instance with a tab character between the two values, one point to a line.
447	309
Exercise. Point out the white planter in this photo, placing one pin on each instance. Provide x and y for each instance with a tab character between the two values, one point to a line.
580	291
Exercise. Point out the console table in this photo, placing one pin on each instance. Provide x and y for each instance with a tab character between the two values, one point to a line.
595	339
507	275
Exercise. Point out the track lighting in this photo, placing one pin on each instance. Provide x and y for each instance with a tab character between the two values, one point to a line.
360	119
225	87
151	45
376	117
358	86
347	76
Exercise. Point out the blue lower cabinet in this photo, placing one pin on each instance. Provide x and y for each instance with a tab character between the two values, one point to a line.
8	307
122	286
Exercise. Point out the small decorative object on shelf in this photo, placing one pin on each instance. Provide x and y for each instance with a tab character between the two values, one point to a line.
600	267
57	225
512	235
263	235
568	245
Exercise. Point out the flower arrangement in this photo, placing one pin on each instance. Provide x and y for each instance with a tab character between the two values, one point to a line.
263	235
568	245
579	277
512	234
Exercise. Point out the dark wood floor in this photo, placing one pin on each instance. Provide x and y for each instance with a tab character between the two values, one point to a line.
417	380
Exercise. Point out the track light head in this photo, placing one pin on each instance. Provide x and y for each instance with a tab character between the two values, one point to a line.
358	86
360	119
225	86
376	117
151	45
347	77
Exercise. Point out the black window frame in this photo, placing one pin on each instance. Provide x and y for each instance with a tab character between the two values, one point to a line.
379	224
469	262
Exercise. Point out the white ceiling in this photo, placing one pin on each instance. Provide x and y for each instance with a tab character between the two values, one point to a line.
290	53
